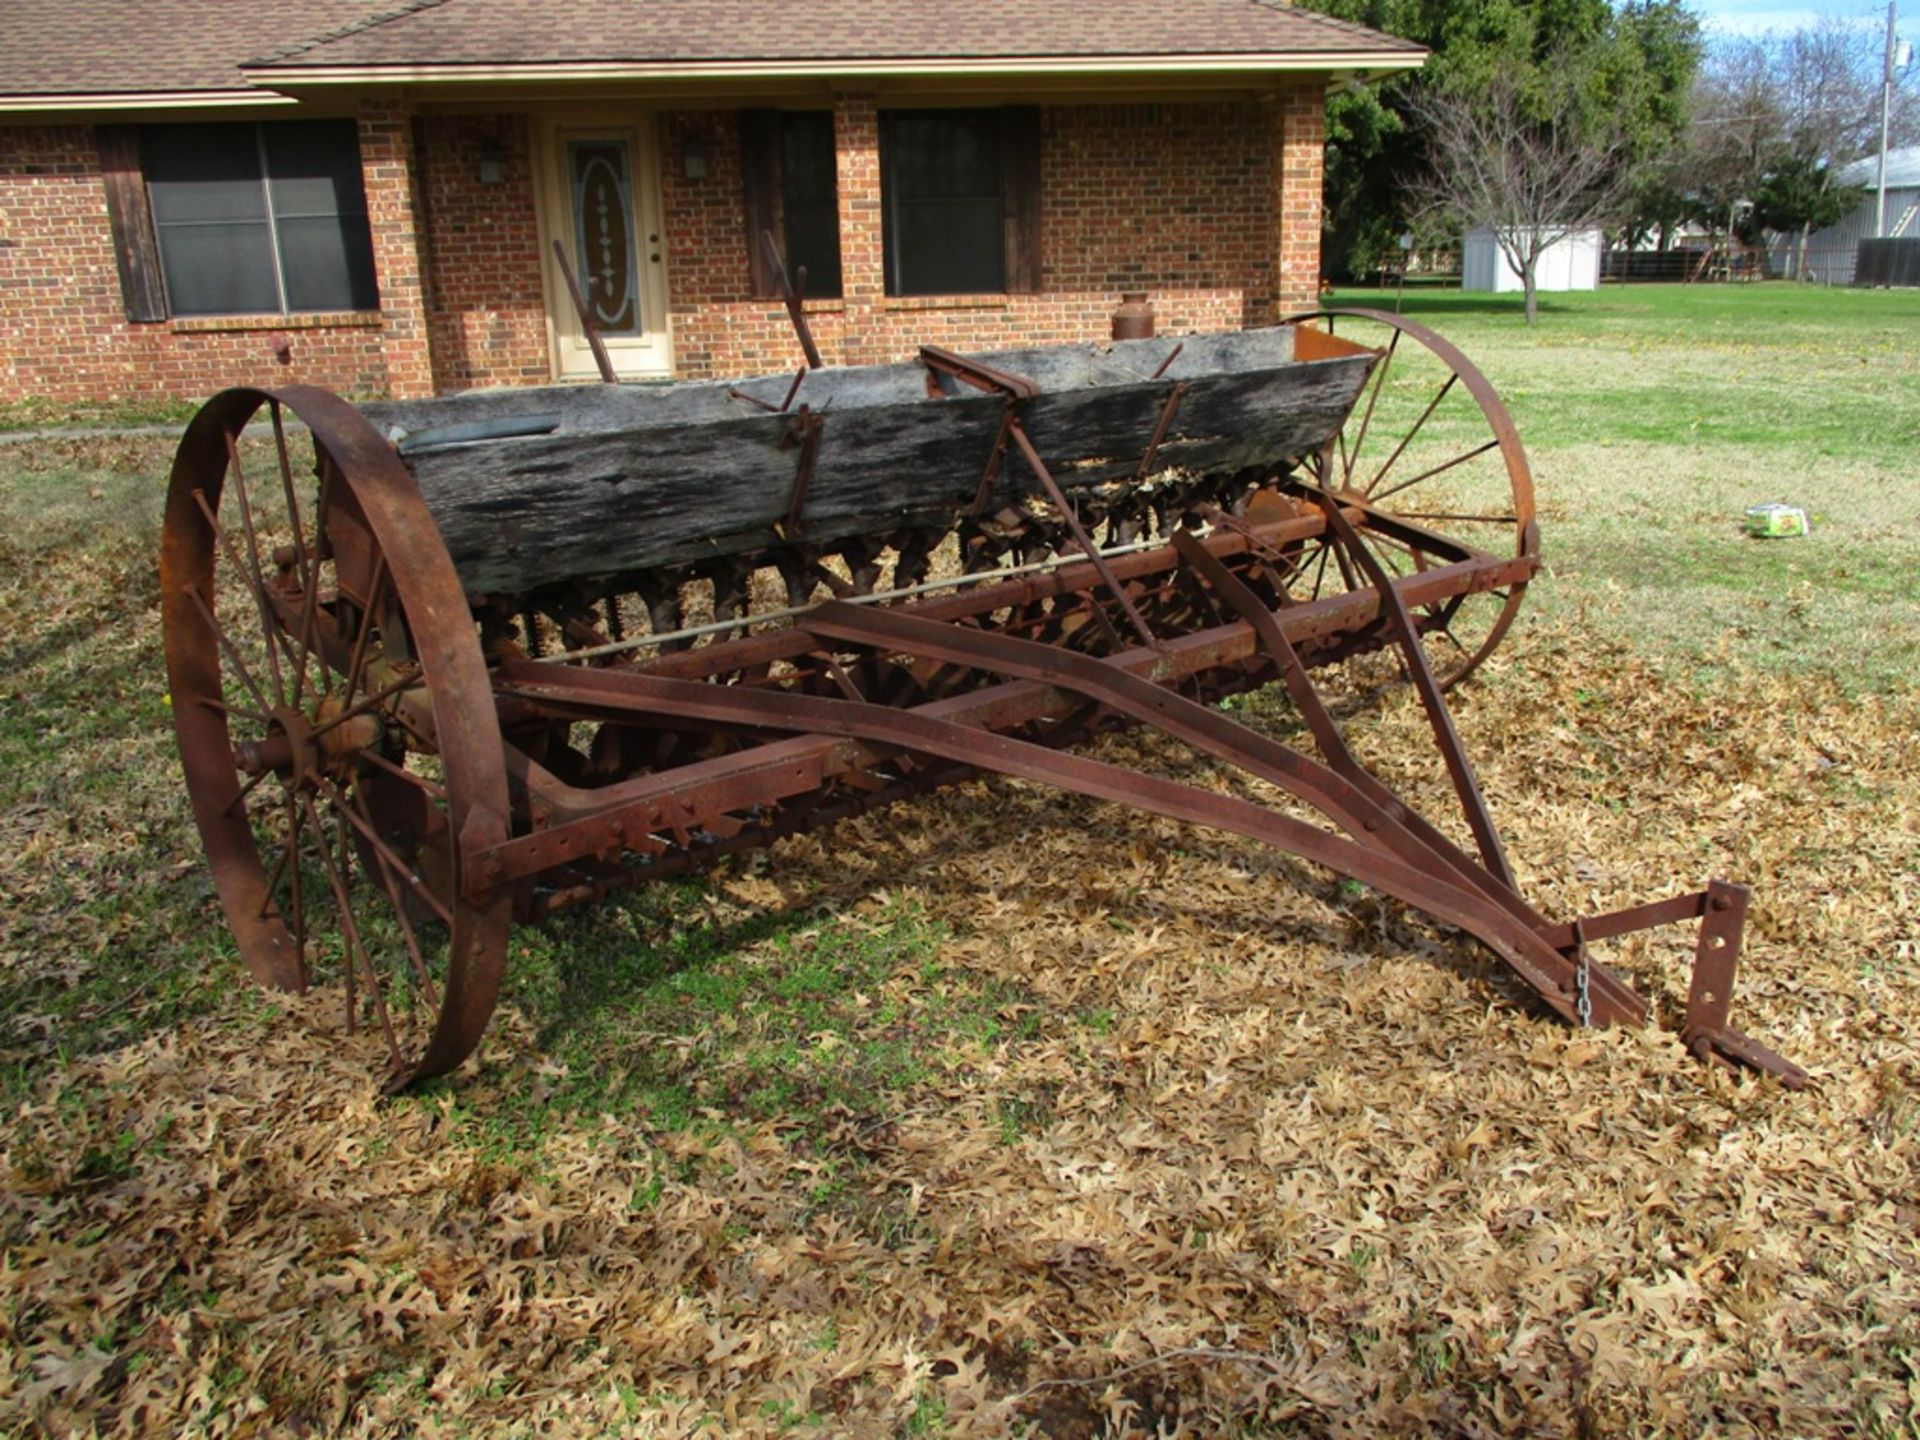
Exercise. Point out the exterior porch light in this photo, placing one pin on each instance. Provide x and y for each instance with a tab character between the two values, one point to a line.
493	163
693	157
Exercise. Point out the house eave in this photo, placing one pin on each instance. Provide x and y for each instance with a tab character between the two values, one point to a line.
293	78
144	100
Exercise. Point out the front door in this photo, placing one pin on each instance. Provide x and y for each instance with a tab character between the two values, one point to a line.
603	207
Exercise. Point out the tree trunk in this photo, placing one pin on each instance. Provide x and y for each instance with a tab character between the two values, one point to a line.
1806	239
1529	284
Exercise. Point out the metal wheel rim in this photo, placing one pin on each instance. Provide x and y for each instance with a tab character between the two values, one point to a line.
439	626
1525	527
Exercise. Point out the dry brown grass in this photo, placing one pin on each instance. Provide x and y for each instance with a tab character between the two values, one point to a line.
1252	1151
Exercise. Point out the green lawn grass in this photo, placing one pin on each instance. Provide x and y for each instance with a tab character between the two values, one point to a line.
1655	414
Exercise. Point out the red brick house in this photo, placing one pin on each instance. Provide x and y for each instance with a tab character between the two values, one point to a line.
364	194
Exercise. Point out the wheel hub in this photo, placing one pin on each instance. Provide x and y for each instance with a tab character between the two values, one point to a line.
302	749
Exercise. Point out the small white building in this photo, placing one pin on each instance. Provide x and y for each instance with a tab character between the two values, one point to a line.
1570	263
1832	251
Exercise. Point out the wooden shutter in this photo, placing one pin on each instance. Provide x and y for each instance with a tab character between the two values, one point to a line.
760	169
134	248
1020	195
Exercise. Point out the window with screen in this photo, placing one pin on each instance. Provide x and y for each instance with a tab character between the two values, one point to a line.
260	218
810	198
942	193
792	194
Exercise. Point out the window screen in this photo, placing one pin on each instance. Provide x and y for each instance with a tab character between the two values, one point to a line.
941	186
810	199
260	219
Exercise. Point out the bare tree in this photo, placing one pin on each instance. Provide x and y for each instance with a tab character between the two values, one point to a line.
1527	169
1739	129
1829	76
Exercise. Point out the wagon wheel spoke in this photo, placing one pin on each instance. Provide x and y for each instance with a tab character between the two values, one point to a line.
276	635
338	869
232	653
1448	516
1379	381
288	849
356	816
391	873
220	707
247	789
293	768
1453	471
306	561
1412	434
1456	461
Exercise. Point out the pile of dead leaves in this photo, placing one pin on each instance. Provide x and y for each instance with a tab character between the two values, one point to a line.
1253	1150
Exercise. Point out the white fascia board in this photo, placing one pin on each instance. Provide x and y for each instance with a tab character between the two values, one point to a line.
301	76
147	100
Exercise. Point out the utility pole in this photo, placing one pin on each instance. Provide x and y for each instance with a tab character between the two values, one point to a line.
1886	114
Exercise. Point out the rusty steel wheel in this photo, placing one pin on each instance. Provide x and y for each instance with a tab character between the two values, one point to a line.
1431	455
335	720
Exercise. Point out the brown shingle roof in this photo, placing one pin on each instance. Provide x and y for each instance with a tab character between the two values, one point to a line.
133	47
50	49
433	33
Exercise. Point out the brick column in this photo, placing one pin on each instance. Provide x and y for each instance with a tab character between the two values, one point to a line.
863	276
1300	141
399	257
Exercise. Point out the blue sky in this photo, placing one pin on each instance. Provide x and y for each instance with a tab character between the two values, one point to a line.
1746	17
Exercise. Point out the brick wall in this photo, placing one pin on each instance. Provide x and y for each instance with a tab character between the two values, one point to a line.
1299	181
487	312
1179	200
394	212
64	335
1214	209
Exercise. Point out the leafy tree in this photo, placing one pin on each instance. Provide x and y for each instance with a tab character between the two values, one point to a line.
1634	64
1799	194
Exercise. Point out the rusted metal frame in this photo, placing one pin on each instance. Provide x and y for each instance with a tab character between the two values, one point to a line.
1722	908
1465	784
1160	428
788	643
1166	364
1404	530
1081	538
518	684
793	296
1618	999
580	308
971	372
767	405
1091	678
1367	811
1716	960
605	695
668	861
804	429
990	475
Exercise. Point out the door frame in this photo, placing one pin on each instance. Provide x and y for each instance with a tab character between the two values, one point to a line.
645	357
